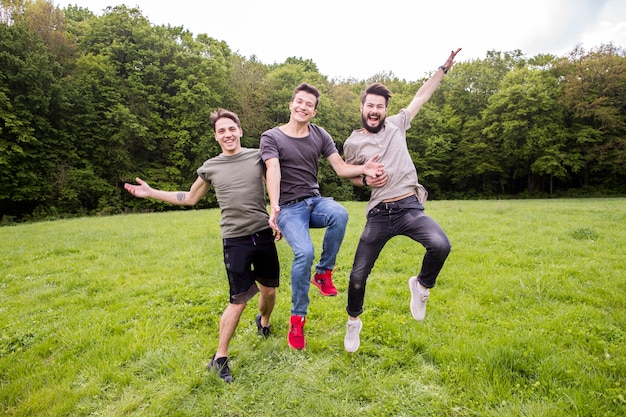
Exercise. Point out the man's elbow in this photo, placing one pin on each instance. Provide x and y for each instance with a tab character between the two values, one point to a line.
190	199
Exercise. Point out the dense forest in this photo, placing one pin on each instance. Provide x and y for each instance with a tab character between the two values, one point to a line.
89	102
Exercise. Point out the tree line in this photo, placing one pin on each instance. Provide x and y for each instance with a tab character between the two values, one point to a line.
89	102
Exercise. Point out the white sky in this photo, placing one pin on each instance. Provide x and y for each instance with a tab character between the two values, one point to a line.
360	38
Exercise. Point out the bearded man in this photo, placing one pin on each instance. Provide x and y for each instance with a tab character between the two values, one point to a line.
396	204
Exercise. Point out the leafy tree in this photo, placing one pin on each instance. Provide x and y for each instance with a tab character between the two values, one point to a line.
525	120
168	84
97	123
595	94
48	21
437	130
29	147
197	81
87	102
126	40
476	167
11	10
251	96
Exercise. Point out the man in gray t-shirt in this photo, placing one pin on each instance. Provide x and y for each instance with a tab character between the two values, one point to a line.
395	207
291	153
250	255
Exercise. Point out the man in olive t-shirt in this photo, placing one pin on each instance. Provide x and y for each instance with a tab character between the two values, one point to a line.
250	253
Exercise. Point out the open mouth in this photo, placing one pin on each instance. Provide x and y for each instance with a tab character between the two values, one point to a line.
373	117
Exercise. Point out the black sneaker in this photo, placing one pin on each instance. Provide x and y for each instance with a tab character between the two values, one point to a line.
220	365
263	331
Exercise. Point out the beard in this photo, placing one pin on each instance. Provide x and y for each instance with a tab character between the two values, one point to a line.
373	129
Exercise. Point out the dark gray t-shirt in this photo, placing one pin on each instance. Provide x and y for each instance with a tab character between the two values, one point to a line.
299	160
238	183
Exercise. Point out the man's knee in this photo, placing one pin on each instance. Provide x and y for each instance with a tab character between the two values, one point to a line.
306	253
267	291
340	215
441	247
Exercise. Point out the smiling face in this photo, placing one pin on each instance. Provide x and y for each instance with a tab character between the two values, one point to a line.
302	107
228	135
373	113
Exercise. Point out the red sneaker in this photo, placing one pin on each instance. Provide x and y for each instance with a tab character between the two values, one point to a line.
325	283
295	337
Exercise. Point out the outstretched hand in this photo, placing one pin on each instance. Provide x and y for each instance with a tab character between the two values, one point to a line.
141	191
450	60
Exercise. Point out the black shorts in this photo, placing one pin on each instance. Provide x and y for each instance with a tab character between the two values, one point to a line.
250	259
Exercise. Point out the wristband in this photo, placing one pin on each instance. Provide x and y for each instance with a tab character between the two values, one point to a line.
445	70
364	181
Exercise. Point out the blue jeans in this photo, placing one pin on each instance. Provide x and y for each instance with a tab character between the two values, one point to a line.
407	218
294	221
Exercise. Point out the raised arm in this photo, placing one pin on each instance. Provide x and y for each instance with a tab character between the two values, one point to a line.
180	198
427	89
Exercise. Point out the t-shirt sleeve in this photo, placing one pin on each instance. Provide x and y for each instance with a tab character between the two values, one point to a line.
204	172
328	145
350	155
402	120
268	146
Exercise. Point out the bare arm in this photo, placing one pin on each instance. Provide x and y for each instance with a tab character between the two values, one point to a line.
427	89
344	170
357	181
272	176
180	198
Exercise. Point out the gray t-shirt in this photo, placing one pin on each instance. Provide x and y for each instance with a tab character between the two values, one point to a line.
390	144
238	183
299	160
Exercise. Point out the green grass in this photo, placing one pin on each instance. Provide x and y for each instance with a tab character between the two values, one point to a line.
116	316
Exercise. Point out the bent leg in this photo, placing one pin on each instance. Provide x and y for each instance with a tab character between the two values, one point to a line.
423	229
334	217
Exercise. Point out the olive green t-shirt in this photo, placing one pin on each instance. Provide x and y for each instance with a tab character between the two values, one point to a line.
239	188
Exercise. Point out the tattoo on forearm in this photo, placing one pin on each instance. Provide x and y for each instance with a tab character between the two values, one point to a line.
180	196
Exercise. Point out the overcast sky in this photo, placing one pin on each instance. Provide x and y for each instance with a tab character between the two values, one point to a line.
360	38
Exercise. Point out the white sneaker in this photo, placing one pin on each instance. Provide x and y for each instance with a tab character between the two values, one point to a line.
419	296
352	340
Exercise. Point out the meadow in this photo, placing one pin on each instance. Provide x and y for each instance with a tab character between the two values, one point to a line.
117	316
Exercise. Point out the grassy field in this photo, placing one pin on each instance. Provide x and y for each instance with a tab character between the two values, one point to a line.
117	316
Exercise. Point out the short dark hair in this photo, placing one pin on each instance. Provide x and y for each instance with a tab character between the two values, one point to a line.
311	89
377	89
219	113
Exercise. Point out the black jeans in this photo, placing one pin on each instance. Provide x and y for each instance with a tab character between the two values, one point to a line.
405	217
